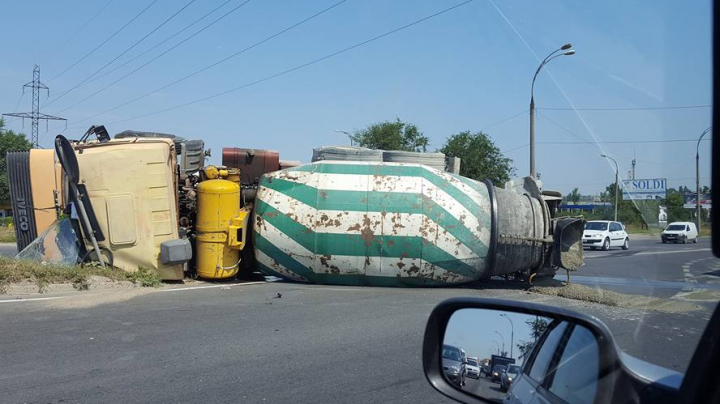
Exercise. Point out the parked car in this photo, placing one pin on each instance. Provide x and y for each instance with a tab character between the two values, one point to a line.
453	366
510	374
680	232
497	372
605	234
472	368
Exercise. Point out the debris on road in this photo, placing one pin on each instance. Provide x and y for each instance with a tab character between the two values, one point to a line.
609	298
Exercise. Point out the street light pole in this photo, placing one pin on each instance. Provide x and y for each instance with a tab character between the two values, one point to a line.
698	208
498	346
512	332
553	55
503	340
348	135
617	171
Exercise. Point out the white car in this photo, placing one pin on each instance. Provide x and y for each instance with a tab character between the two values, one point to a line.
680	232
605	234
472	368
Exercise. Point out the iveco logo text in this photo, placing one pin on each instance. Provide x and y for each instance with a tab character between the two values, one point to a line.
21	213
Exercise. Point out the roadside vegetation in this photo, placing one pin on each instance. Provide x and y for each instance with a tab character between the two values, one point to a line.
14	271
7	234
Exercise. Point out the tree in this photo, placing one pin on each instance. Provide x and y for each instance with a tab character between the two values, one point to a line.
9	141
537	329
676	211
479	157
573	196
392	135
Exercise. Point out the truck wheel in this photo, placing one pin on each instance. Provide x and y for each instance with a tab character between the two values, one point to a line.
626	245
606	244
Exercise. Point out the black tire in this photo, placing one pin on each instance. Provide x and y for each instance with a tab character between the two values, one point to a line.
684	240
626	244
695	241
664	241
606	244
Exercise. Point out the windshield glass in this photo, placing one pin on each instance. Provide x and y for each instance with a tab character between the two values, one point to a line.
499	368
676	227
451	353
596	226
513	369
472	362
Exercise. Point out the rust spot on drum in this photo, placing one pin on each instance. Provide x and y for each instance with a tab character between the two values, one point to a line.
400	264
367	233
391	243
354	227
323	194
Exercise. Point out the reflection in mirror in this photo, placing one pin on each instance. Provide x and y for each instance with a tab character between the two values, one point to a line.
512	357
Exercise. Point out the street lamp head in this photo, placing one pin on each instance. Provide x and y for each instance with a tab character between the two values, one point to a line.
570	52
566	46
603	155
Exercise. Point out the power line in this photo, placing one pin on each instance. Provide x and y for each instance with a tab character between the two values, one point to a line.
104	42
160	43
284	72
123	52
627	108
610	142
150	61
196	72
82	27
504	120
562	127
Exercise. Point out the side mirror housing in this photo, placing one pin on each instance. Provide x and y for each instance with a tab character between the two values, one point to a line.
586	365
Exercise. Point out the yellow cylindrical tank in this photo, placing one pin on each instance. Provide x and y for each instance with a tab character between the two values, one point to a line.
218	205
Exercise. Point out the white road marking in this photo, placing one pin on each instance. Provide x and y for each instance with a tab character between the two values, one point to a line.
648	253
181	289
32	299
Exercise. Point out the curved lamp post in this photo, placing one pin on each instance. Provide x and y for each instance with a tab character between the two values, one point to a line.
698	208
616	181
512	332
566	51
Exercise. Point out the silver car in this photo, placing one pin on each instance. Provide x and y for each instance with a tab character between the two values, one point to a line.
507	377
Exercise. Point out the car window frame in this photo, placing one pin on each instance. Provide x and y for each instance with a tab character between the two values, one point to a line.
537	348
548	394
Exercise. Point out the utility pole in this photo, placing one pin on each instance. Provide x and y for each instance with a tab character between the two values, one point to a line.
633	168
35	115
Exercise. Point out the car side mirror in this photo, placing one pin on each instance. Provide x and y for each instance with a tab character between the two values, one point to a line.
571	352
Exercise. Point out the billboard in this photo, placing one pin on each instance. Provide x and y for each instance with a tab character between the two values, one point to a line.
691	201
654	188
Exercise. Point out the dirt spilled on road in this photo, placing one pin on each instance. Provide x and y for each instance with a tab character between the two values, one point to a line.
609	298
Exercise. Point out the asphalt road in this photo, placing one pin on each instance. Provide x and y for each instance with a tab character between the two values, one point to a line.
484	387
281	342
651	268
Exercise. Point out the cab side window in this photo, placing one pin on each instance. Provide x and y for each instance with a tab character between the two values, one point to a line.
576	374
687	228
546	352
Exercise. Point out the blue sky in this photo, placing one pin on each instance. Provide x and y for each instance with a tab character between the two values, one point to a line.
476	331
467	69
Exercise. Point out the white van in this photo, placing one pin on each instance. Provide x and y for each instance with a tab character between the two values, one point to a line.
680	232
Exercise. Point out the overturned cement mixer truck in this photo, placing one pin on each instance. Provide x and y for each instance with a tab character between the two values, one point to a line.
389	224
